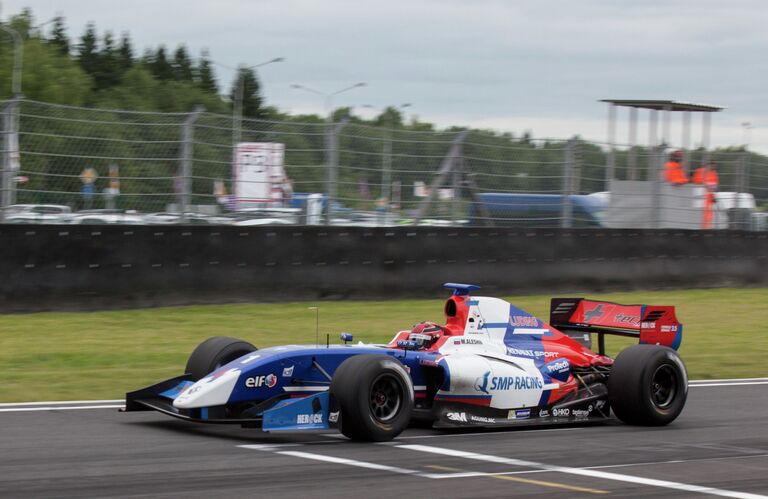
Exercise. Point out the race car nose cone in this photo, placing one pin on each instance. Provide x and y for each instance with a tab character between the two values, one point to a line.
214	389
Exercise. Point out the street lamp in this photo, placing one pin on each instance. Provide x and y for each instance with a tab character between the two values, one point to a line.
747	126
386	160
237	108
328	97
331	146
18	55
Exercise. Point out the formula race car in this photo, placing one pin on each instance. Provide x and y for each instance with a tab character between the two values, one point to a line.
491	364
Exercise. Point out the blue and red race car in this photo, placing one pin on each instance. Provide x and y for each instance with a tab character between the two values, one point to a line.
490	364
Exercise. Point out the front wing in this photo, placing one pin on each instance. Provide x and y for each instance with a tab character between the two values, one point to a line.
275	414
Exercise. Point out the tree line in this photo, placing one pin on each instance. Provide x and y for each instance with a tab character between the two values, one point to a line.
102	70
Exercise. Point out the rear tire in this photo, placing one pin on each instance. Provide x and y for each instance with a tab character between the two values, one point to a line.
214	353
375	397
648	385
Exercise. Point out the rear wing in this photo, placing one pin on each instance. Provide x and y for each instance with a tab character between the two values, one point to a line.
652	324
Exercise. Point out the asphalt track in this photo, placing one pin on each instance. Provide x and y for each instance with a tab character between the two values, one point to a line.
718	447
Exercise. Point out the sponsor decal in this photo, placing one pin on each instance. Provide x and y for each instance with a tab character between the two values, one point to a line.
519	414
466	341
523	321
309	418
559	366
668	329
522	352
543	413
561	412
580	413
457	416
627	319
267	380
595	313
481	419
333	417
193	389
516	383
648	325
481	383
288	371
599	404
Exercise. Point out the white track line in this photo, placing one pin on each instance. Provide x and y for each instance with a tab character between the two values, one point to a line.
582	472
62	402
73	408
349	462
697	385
732	380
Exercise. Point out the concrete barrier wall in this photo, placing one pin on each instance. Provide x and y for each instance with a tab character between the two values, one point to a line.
66	267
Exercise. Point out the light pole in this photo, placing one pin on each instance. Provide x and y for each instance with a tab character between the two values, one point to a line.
237	111
237	105
18	58
747	126
386	160
328	97
331	148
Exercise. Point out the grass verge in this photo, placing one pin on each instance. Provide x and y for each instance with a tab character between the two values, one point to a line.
101	355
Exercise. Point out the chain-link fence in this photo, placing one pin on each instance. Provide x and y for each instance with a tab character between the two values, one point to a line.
65	164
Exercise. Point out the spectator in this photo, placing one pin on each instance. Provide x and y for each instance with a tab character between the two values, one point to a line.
673	169
707	176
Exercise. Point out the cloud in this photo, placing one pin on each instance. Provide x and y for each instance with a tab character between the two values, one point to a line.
526	65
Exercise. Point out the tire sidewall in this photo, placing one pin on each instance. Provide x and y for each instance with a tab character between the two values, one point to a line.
664	415
629	386
352	386
395	370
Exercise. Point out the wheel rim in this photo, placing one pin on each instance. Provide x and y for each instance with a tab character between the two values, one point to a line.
386	398
663	386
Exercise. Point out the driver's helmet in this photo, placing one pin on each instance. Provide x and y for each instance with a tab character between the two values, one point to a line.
425	333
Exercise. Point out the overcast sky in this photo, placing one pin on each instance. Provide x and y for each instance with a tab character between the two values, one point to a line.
509	65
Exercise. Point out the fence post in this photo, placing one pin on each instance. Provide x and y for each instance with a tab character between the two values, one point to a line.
10	154
657	155
569	167
332	165
446	168
184	179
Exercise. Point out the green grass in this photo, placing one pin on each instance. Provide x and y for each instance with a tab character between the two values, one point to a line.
95	355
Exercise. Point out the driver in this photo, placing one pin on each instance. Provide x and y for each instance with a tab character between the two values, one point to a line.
425	334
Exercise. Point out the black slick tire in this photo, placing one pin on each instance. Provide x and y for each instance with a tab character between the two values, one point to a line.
648	385
214	353
375	397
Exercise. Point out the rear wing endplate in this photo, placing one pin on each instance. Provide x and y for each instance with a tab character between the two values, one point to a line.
651	324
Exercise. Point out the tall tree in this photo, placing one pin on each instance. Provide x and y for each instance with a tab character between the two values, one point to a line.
251	93
182	64
160	66
204	76
108	70
125	52
59	36
87	50
23	22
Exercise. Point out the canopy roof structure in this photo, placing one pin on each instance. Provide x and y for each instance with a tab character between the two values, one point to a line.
664	105
654	107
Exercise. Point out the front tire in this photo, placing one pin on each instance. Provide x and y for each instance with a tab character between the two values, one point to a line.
375	397
214	353
648	385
